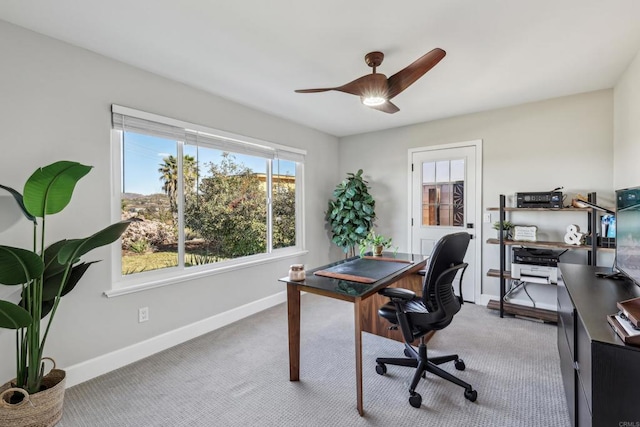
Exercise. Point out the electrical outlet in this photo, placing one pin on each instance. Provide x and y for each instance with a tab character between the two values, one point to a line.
143	314
487	218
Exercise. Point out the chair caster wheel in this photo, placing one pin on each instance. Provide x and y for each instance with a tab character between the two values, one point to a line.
415	400
381	368
408	353
471	395
460	366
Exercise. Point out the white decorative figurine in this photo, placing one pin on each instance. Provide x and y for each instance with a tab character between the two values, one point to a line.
573	236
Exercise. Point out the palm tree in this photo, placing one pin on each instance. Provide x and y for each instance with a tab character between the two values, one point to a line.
169	177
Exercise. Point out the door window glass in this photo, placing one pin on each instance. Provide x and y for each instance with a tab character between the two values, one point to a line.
443	193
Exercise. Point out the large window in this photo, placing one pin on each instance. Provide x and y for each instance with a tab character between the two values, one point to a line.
202	199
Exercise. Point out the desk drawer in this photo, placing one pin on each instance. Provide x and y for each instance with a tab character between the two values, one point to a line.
583	357
568	375
566	317
583	412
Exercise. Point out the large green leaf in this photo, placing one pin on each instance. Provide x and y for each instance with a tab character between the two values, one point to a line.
49	189
74	249
51	284
13	316
51	265
20	202
47	306
18	266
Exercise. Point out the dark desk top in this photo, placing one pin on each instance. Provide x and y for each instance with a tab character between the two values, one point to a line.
349	291
594	298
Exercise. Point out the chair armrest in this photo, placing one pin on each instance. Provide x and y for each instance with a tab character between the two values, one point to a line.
397	293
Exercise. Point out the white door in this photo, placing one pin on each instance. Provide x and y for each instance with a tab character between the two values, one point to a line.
445	199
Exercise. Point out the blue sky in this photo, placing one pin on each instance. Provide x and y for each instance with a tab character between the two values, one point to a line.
144	154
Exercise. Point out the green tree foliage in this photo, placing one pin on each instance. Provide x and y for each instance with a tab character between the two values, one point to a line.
352	213
284	216
229	211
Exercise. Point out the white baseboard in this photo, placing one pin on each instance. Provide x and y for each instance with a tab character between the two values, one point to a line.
485	298
100	365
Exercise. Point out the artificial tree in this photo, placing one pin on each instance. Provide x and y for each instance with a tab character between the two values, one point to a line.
351	213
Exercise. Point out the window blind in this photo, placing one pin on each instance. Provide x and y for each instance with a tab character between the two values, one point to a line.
224	144
148	127
290	155
131	120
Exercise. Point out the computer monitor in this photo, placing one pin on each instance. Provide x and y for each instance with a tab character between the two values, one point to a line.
628	233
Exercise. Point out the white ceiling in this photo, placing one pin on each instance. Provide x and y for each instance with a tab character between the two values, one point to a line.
256	52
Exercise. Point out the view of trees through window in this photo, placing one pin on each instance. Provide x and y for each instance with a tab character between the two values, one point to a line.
222	205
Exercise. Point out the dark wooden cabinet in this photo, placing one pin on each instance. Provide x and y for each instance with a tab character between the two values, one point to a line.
375	324
601	374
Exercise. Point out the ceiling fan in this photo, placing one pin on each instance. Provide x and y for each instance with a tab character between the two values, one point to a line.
376	90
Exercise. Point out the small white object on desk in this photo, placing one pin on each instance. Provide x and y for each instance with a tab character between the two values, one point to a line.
296	272
573	236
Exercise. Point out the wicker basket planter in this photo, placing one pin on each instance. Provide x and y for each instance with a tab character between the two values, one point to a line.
42	409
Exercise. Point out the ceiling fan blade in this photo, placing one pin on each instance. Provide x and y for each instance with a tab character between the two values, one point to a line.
366	85
362	86
405	77
387	107
314	90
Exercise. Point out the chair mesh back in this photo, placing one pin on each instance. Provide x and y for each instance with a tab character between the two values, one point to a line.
438	296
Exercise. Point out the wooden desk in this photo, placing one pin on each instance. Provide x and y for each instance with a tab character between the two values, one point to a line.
357	293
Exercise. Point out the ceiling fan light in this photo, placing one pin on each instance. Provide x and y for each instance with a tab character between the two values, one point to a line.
372	101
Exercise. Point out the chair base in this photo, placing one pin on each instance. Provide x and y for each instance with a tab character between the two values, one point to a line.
423	364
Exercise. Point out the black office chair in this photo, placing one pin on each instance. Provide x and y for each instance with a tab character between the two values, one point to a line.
434	310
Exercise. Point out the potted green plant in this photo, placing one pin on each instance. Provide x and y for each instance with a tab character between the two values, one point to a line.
507	226
44	274
351	214
377	243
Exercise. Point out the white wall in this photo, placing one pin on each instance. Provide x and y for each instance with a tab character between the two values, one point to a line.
55	104
626	171
533	147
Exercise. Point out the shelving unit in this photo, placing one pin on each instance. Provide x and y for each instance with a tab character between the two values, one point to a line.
505	274
543	245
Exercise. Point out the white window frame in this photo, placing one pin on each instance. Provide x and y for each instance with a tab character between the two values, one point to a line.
122	285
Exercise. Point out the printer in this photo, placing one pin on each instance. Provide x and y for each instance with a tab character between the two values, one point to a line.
535	265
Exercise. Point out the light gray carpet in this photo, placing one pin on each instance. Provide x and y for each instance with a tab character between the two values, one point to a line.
238	375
